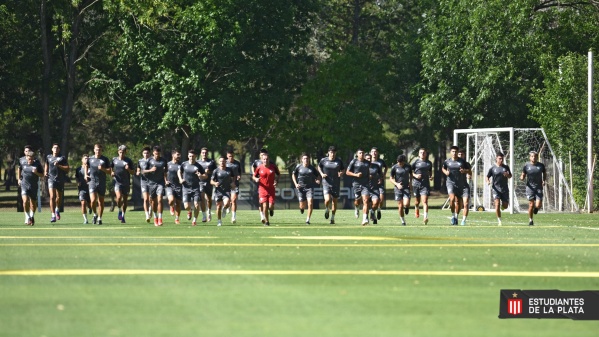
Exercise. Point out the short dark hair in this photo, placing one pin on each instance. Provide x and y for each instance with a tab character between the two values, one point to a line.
230	151
461	151
204	148
263	150
499	154
305	154
454	148
359	149
146	148
55	144
332	148
175	150
192	151
401	158
157	148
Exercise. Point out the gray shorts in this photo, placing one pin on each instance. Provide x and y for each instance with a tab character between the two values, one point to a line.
206	188
30	192
304	193
360	190
534	193
333	190
401	194
420	189
191	195
458	191
155	190
174	191
57	185
122	189
501	196
144	186
219	196
97	188
83	195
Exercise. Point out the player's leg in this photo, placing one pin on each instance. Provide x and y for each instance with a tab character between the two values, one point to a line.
52	193
310	202
364	198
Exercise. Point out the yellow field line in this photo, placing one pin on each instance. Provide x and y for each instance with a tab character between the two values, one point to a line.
397	245
99	272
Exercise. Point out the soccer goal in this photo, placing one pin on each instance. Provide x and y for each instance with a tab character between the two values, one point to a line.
481	147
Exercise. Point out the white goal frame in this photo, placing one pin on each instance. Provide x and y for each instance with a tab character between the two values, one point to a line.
481	155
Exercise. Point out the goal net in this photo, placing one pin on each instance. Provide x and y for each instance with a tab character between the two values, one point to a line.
482	145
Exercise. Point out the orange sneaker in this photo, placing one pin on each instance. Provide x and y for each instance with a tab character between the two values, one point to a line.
177	222
160	222
155	221
417	213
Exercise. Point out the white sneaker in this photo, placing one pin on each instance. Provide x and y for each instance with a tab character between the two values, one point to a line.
203	218
220	223
209	216
233	220
356	213
223	213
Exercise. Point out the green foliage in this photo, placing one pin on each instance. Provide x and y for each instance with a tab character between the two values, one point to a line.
213	67
561	109
479	63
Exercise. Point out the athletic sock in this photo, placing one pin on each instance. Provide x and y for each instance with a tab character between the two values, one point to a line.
403	220
425	215
455	215
159	215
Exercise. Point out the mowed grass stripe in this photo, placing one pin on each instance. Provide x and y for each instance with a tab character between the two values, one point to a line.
182	244
113	272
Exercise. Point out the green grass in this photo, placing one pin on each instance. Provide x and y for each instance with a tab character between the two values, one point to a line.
289	279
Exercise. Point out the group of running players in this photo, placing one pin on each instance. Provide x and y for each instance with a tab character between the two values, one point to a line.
196	183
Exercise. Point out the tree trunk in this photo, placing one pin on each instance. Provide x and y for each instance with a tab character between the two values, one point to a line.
70	60
45	94
356	22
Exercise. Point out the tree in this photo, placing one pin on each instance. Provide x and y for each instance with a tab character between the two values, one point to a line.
209	69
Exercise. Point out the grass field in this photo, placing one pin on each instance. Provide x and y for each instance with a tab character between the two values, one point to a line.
289	279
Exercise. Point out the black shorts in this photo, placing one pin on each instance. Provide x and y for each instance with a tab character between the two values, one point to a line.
122	189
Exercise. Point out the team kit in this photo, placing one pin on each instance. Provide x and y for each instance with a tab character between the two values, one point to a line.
198	183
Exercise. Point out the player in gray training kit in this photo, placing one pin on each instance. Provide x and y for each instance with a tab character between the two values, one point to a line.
142	165
359	169
376	160
28	151
189	177
235	165
98	166
500	173
209	165
81	174
56	169
400	178
173	186
156	174
305	178
535	175
456	169
122	169
375	175
422	172
31	172
331	170
223	179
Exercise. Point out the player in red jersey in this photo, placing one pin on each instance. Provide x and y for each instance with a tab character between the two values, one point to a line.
266	175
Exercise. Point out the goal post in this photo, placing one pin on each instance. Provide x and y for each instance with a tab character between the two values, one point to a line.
482	146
